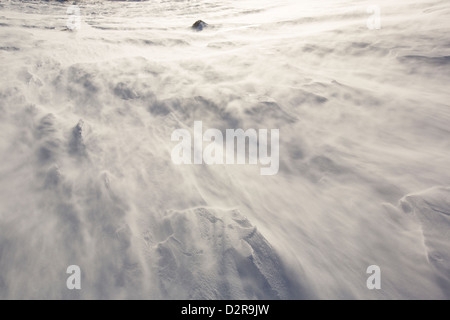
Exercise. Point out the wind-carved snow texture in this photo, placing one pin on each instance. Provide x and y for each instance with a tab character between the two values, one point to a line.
217	254
432	210
86	176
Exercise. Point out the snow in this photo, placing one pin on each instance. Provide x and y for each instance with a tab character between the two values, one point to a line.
86	176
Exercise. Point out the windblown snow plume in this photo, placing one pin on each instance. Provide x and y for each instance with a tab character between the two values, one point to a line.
91	92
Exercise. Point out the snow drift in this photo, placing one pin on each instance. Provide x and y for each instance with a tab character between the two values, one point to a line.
86	176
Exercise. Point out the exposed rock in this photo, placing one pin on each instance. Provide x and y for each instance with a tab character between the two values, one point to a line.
199	25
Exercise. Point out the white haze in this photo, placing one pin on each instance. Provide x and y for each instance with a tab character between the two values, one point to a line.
86	176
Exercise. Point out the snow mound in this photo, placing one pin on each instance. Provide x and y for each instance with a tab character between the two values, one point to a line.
217	254
432	209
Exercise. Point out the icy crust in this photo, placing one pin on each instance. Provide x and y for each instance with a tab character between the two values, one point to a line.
216	254
431	208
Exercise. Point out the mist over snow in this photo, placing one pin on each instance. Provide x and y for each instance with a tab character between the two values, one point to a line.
87	179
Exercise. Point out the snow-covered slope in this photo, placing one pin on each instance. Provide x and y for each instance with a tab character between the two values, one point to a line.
86	176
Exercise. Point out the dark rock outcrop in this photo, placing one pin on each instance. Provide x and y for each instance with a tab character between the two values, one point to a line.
199	25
